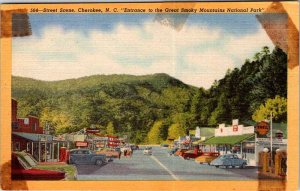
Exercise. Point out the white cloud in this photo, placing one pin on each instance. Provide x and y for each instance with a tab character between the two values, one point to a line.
196	55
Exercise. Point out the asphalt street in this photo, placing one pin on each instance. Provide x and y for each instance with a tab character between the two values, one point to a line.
160	166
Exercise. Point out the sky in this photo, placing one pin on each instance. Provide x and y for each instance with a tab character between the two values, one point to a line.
64	46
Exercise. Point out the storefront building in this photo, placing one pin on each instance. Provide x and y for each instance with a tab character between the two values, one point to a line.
28	135
243	141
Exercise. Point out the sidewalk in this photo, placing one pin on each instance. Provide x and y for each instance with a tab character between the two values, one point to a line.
52	163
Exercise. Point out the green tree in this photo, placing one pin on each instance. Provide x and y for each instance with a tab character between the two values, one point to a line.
176	130
278	107
154	135
110	129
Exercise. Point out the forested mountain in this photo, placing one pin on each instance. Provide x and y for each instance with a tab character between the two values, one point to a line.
154	107
242	91
130	103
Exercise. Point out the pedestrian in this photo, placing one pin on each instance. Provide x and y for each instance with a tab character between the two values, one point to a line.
120	153
130	152
125	152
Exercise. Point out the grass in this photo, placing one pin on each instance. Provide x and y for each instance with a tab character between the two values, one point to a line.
70	170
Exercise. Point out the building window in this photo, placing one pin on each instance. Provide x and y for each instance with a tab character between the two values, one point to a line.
15	125
34	127
17	146
249	150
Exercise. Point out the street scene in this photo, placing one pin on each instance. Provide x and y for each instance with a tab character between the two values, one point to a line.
161	166
134	98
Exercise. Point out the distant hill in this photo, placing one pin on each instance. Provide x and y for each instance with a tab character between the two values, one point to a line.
129	102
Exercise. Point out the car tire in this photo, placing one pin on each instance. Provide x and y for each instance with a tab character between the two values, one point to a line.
233	166
217	166
99	162
243	166
208	163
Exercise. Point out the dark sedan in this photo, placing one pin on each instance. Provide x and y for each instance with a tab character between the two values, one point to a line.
86	156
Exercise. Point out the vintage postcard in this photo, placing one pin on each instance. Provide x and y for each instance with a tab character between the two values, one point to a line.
150	96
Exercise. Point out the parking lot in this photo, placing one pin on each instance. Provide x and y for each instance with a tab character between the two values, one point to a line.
160	166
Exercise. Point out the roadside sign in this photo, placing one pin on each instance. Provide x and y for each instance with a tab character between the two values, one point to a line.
262	128
81	144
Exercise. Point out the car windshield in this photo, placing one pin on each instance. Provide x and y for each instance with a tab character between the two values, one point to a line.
24	163
30	160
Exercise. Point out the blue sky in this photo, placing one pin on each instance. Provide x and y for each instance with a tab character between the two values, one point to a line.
231	23
74	45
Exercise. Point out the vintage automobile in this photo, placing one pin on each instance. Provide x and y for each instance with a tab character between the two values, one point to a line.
86	156
172	151
164	146
24	167
180	152
229	160
134	147
148	151
192	154
110	153
207	157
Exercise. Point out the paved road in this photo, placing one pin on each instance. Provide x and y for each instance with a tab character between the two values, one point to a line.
160	166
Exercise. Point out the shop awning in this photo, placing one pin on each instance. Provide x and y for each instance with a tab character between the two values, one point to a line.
34	137
228	140
198	142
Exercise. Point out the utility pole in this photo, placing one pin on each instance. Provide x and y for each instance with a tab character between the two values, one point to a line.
271	138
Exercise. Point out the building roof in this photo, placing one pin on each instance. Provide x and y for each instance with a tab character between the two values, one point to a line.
33	136
228	140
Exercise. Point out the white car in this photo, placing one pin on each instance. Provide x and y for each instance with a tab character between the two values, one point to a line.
229	160
148	151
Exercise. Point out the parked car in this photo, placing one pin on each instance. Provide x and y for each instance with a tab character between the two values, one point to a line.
134	147
229	160
86	156
110	153
23	167
163	146
180	152
192	154
148	151
172	151
207	157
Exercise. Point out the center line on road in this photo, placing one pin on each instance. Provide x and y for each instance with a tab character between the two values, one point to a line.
158	162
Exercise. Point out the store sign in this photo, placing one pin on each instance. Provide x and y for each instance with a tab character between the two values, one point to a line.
235	128
262	139
262	128
81	144
89	130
